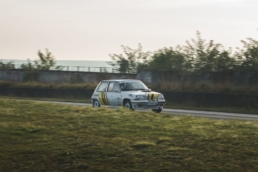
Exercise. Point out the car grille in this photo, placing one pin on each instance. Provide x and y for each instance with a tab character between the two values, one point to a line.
152	97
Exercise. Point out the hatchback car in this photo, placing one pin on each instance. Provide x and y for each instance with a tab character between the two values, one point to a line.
131	94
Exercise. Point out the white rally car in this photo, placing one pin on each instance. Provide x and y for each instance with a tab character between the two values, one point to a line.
131	94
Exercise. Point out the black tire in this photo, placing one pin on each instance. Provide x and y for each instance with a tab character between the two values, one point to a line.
95	104
156	110
128	105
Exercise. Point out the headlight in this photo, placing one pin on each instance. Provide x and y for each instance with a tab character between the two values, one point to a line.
161	97
139	97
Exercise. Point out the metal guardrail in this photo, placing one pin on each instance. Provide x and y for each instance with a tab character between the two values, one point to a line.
70	68
73	68
88	69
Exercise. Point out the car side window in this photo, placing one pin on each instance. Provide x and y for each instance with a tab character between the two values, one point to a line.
116	87
111	87
102	86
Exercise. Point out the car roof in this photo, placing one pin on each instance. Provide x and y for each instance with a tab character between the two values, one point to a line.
120	80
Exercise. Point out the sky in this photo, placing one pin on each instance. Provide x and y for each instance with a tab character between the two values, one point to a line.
93	29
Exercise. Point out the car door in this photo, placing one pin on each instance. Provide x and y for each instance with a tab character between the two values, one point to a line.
113	94
117	95
102	93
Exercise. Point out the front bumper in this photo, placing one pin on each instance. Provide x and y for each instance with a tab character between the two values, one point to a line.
138	105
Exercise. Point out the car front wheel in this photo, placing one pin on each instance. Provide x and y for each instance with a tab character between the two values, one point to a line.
95	103
157	110
128	105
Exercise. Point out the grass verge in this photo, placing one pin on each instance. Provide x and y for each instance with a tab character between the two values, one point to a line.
48	137
168	105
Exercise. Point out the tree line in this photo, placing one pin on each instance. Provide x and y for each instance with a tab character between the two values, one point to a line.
44	62
198	55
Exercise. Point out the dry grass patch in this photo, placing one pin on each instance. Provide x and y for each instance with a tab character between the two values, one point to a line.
143	144
177	149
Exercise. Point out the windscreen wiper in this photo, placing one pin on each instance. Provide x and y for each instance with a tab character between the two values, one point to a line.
129	89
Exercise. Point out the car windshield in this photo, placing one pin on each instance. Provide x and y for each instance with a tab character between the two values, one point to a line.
133	86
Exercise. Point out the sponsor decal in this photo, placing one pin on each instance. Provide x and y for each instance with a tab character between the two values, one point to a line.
153	96
103	98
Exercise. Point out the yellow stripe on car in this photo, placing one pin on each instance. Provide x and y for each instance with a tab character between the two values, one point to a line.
100	98
153	96
103	98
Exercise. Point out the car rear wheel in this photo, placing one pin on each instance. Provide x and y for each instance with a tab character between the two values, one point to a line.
157	110
128	105
95	103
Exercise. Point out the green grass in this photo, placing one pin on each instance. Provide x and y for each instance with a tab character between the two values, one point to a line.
48	137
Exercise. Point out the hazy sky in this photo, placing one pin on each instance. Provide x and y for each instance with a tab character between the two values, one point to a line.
92	29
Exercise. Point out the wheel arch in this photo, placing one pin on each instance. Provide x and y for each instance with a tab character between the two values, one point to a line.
125	100
96	100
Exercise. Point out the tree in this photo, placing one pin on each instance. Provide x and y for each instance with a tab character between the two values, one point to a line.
132	61
225	61
248	56
28	65
168	59
45	62
8	65
206	56
195	56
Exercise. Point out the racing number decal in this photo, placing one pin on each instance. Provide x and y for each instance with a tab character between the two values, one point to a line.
103	98
153	96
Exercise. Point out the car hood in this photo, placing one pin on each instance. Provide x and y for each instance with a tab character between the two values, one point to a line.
141	92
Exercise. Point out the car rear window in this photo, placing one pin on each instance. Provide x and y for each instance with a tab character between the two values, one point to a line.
102	86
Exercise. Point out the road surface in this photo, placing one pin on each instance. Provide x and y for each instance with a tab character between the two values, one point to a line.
206	114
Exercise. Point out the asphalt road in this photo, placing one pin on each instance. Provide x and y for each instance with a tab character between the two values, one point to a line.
206	114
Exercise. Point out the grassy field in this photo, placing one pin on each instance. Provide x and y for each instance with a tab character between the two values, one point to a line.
47	137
